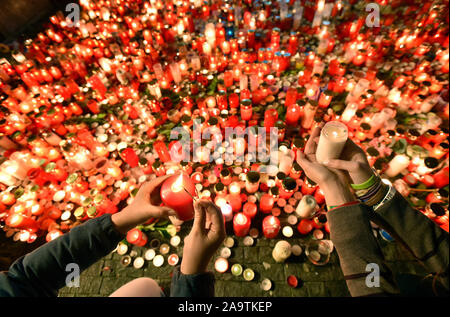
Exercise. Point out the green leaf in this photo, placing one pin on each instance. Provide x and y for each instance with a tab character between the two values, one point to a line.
399	146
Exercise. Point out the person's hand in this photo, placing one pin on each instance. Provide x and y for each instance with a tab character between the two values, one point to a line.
332	182
207	234
145	205
354	161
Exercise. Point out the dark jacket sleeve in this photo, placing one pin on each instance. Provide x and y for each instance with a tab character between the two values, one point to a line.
359	253
426	241
195	285
43	271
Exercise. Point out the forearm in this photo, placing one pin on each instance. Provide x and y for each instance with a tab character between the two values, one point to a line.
424	239
359	252
336	194
43	271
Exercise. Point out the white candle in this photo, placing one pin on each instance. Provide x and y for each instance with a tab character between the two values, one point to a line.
349	112
7	179
14	169
243	82
176	73
227	212
397	165
332	141
308	116
281	251
306	207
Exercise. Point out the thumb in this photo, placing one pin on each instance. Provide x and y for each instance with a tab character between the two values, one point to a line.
199	216
349	166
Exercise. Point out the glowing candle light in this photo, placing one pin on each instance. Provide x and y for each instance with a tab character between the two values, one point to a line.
271	227
398	164
241	224
174	195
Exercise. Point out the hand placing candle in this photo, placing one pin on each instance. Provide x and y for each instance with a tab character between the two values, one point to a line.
145	205
207	234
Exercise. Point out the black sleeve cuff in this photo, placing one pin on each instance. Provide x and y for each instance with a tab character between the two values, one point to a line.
192	285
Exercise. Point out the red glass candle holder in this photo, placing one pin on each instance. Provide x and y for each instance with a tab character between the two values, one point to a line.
137	237
271	227
241	224
174	195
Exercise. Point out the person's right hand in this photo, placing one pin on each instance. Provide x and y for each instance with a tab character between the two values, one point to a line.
354	161
207	234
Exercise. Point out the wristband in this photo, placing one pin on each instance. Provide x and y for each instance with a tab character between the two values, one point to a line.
390	194
366	184
343	205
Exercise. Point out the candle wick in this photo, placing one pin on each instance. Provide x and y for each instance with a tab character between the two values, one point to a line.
193	198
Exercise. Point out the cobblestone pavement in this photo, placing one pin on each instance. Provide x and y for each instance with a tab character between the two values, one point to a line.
108	274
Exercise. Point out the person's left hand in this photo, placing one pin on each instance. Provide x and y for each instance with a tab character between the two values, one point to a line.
207	233
146	205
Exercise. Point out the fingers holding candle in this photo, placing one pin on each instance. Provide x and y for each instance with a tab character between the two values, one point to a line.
208	232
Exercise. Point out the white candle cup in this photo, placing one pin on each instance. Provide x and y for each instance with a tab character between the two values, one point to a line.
397	165
7	179
306	207
349	112
331	142
281	251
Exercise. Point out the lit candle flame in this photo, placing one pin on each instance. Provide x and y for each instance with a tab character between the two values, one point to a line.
177	186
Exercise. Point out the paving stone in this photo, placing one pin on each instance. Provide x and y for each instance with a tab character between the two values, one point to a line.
90	285
281	289
337	289
237	254
265	255
251	254
95	269
219	288
316	289
262	242
317	280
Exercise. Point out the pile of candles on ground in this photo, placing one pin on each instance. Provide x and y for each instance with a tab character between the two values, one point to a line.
87	110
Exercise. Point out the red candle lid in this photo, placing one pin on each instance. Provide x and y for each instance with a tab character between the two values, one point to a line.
292	281
173	259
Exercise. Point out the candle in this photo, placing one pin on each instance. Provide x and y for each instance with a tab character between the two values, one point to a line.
252	182
281	251
307	207
266	203
236	269
241	224
174	195
250	209
137	237
305	226
332	141
246	109
221	265
227	211
19	221
398	164
271	226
